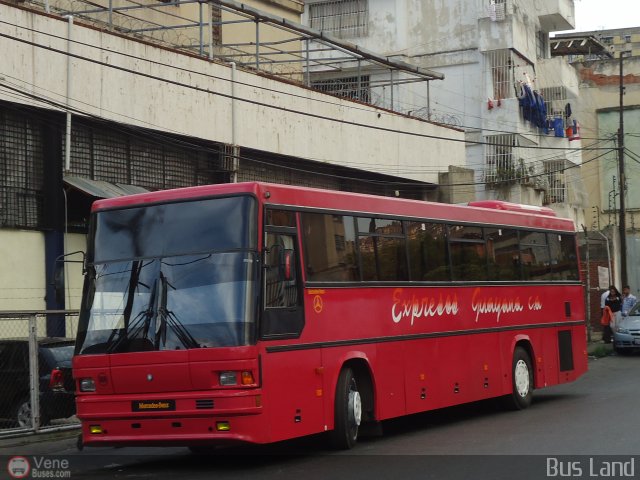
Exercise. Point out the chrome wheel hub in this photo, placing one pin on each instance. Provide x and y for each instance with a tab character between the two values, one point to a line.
355	408
521	376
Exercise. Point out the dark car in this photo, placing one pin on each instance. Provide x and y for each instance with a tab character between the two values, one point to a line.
56	382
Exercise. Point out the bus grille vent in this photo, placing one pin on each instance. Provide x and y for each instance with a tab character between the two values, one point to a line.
204	403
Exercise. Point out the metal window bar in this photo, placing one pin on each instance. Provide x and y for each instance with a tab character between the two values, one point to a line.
507	69
555	99
557	191
501	65
342	18
102	153
497	10
501	164
356	88
21	166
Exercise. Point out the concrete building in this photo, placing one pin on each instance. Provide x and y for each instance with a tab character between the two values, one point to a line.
143	115
600	113
488	51
618	41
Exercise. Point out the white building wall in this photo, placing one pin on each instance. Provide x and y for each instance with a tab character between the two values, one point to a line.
23	280
22	276
74	242
457	39
272	116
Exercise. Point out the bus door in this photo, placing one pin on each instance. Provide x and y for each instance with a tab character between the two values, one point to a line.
291	378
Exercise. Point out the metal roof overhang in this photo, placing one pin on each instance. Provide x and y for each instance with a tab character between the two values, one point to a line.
101	189
314	34
577	45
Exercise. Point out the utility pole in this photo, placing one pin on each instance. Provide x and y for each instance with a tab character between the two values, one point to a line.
622	224
588	285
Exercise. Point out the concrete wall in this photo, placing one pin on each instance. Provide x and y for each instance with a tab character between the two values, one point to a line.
598	111
74	242
239	33
22	275
556	72
608	121
195	101
456	186
411	27
23	280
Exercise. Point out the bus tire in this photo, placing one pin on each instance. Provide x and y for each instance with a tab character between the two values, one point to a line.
521	381
348	411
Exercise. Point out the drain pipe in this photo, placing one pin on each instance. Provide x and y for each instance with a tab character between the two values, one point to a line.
67	138
234	126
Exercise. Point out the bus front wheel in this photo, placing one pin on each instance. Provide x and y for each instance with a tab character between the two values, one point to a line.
348	411
521	381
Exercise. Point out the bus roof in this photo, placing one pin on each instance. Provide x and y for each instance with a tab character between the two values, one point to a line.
485	212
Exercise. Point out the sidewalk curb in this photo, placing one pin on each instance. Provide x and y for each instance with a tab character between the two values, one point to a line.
40	437
599	349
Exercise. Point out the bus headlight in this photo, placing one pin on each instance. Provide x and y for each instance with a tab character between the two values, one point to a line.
228	378
87	385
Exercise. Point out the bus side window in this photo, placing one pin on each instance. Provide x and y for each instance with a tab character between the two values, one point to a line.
283	316
281	286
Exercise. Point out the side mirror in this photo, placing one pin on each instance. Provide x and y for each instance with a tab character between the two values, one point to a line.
58	273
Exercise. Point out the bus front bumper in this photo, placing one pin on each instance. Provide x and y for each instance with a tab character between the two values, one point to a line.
186	418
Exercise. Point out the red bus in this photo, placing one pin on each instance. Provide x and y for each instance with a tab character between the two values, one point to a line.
256	313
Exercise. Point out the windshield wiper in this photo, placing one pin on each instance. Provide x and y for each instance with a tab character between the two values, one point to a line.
140	322
167	317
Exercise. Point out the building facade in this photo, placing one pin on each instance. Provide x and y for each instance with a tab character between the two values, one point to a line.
495	57
600	94
625	41
88	112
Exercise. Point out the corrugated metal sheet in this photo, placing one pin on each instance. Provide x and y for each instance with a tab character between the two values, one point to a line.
100	189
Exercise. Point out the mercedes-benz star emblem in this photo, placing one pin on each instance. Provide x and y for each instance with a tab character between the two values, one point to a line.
149	377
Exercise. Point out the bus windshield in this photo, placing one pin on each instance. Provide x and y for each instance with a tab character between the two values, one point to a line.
174	301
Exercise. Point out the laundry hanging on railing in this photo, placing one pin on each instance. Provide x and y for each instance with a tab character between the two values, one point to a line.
534	108
573	130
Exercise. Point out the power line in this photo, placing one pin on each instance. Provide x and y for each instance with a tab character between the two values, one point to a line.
159	135
284	109
465	114
199	147
402	184
352	106
417	184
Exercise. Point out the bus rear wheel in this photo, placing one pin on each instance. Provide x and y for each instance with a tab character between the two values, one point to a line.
521	381
348	411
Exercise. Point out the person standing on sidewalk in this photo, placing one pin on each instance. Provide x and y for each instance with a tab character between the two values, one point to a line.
628	300
611	313
603	297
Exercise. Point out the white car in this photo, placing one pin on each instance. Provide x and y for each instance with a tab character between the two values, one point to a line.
626	335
